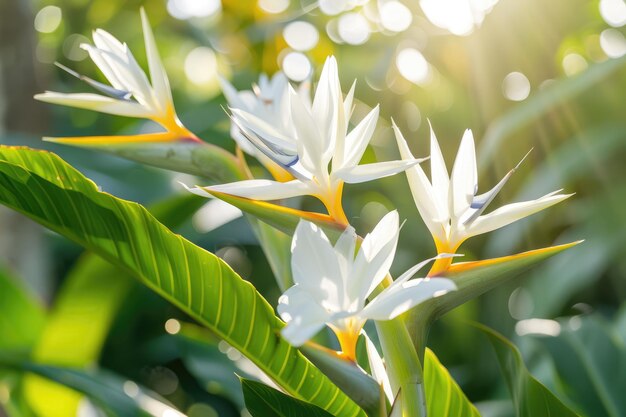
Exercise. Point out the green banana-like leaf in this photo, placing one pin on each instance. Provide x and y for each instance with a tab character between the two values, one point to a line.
591	364
530	397
87	303
264	401
443	396
42	186
75	331
117	396
22	317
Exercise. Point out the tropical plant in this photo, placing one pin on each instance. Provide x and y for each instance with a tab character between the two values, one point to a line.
347	336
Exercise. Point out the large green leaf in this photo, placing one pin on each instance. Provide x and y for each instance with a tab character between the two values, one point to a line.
21	316
75	331
117	396
591	363
530	397
83	311
443	395
264	401
42	186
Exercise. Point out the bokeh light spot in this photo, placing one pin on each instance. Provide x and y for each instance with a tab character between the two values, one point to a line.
172	326
516	86
274	6
413	66
48	19
201	65
395	16
301	36
296	66
354	28
186	9
72	49
332	7
574	64
613	12
613	43
201	410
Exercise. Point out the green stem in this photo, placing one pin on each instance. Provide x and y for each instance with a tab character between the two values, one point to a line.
403	363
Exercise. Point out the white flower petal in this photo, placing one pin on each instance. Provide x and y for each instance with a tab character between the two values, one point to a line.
409	273
439	177
160	82
422	191
327	110
231	94
304	317
310	144
265	131
107	42
278	86
378	367
374	258
316	268
370	172
357	140
464	177
121	61
347	103
345	249
105	68
133	78
96	102
512	212
258	189
391	304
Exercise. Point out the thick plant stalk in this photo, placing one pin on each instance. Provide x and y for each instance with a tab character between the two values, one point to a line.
404	365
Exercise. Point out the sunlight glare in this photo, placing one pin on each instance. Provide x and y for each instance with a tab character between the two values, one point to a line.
457	16
354	28
48	19
274	6
613	43
413	66
516	86
613	12
395	16
301	36
296	66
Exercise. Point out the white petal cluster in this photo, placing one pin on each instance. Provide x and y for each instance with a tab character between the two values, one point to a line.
130	93
310	140
332	284
449	205
268	101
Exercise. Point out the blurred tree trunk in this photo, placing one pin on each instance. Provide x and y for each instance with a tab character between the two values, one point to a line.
22	247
